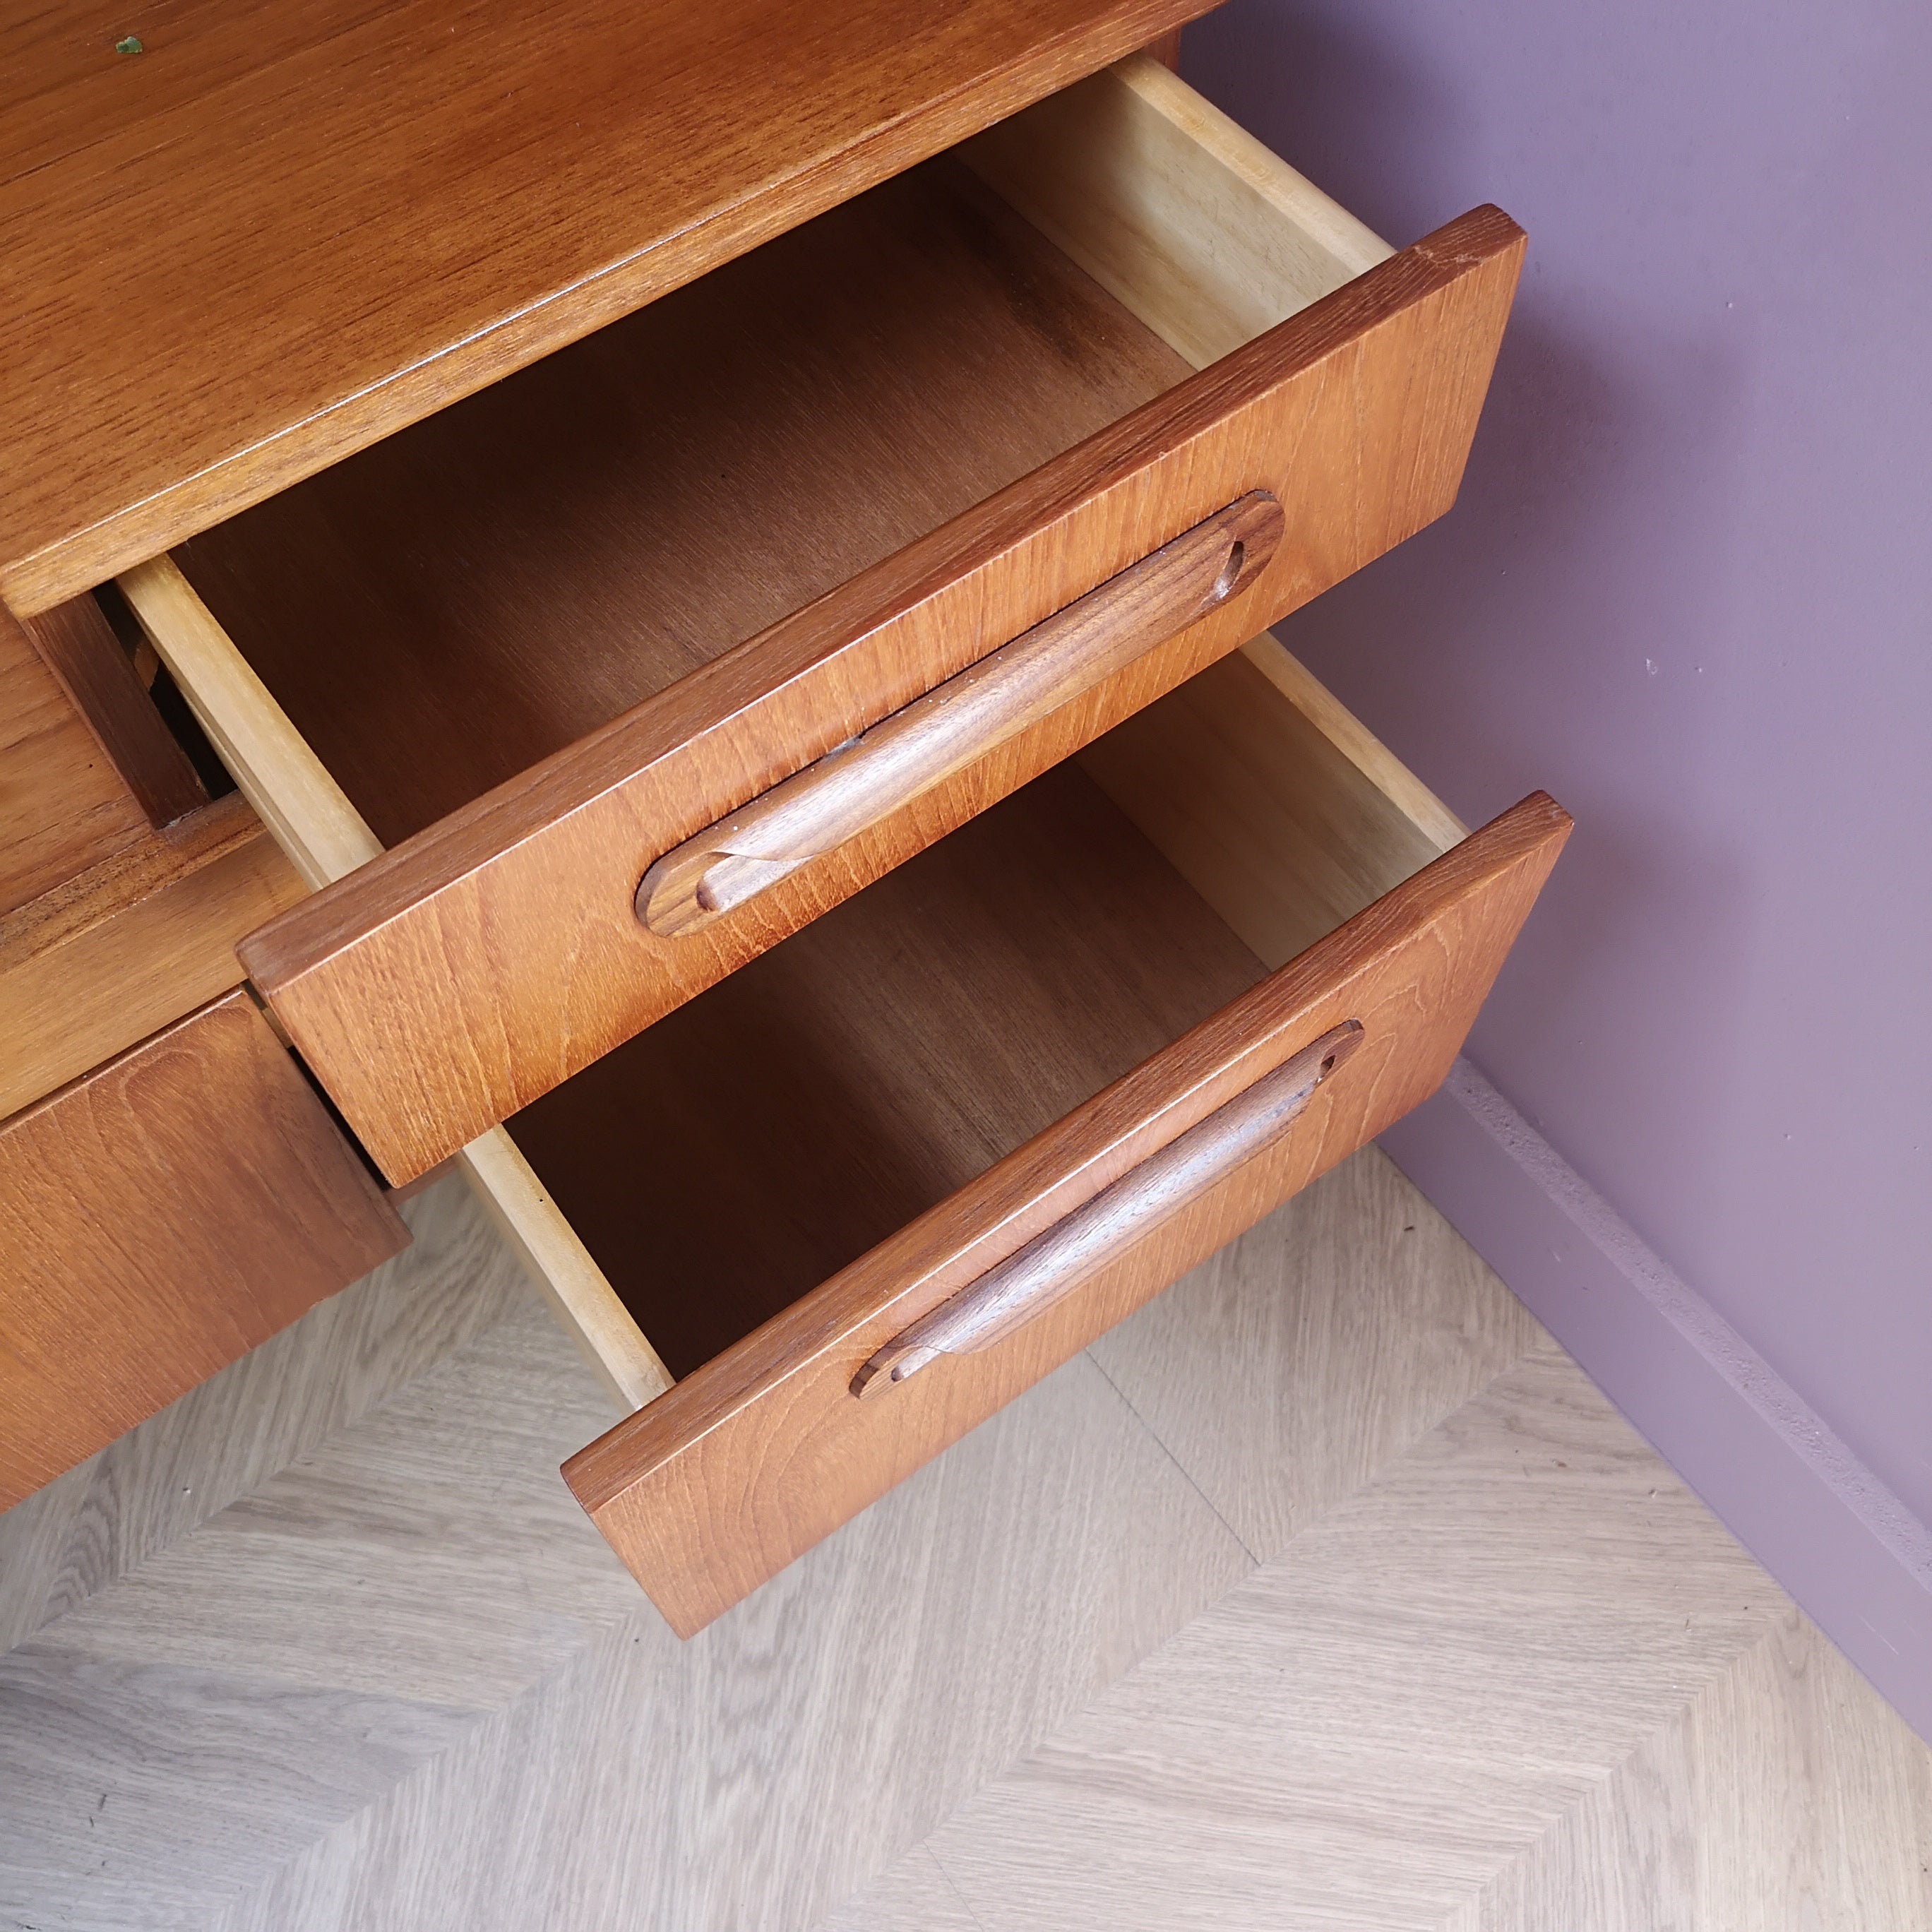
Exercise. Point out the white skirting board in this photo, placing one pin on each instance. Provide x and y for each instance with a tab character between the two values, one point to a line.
1854	1557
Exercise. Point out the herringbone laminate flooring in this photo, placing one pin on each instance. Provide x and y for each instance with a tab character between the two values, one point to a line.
1326	1593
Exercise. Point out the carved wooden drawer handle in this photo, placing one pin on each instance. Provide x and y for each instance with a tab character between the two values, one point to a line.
906	755
1081	1243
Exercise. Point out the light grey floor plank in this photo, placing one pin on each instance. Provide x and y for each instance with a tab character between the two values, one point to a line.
1371	1726
1785	1797
760	1773
374	1670
125	1905
1305	1356
221	1440
98	1759
430	1551
913	1896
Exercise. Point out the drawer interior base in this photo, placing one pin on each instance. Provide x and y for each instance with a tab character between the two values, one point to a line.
452	605
756	1140
457	602
763	1136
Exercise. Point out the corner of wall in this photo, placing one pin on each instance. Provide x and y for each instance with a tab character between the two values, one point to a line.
1849	1552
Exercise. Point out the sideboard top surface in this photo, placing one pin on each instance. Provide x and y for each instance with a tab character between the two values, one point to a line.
282	229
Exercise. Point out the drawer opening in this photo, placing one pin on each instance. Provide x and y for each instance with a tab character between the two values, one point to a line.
439	612
576	635
1133	897
767	1133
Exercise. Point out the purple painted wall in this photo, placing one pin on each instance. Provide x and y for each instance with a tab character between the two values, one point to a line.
1687	588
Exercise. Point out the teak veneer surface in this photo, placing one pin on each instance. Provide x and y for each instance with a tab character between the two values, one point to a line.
63	805
78	645
751	1143
120	950
744	1465
158	1218
495	584
462	974
283	230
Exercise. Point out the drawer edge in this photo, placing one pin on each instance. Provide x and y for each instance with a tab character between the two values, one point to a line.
325	838
752	1459
1198	229
579	1293
1355	741
159	1217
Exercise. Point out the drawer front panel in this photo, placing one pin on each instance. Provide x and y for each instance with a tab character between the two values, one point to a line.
747	1462
455	979
157	1219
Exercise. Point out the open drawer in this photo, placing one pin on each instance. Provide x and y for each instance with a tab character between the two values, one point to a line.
825	1144
875	1184
553	694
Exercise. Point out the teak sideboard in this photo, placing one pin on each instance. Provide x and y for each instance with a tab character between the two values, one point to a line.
670	607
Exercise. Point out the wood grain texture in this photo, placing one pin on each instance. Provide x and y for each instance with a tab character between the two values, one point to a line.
1812	1804
1409	1703
324	837
915	1896
400	206
892	764
419	1556
765	1135
490	586
1250	1369
81	650
377	1530
1356	414
336	1750
755	1458
1031	1615
158	1218
94	1528
1180	214
63	806
1104	1228
132	943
